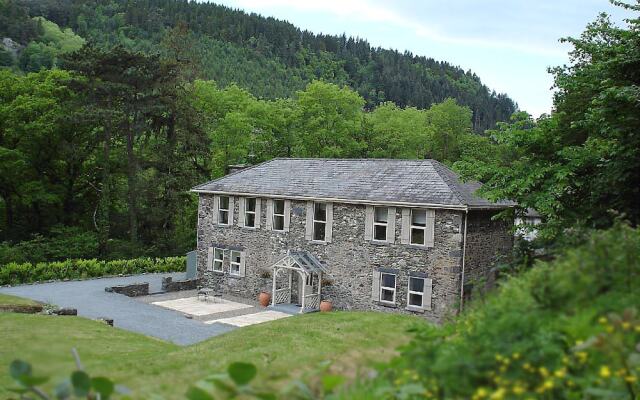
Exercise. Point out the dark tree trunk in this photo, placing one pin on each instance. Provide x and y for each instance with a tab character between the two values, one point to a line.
132	187
103	223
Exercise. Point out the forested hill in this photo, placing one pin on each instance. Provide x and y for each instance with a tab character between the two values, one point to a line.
273	58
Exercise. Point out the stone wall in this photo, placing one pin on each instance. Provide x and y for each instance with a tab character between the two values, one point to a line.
169	285
131	290
349	258
487	241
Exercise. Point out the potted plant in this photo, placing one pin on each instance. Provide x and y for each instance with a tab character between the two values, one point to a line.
264	298
325	306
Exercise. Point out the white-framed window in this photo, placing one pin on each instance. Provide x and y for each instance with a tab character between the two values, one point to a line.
250	212
387	288
218	259
380	223
235	262
319	221
278	215
415	292
223	210
418	227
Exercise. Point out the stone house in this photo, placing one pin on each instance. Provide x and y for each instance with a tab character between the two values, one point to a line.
367	234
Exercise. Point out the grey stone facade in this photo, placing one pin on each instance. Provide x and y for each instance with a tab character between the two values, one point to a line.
488	241
349	258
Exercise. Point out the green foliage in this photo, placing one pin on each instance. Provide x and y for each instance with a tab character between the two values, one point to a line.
580	166
45	51
63	242
329	119
79	385
6	59
561	330
14	273
274	59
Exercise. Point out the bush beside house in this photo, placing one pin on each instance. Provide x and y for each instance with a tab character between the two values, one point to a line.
14	273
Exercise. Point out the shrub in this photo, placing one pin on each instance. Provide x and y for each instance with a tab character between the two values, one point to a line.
14	273
61	244
564	329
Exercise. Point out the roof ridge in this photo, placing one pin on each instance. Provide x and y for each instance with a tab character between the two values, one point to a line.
353	159
439	168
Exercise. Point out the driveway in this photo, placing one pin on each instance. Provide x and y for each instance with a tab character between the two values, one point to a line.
92	301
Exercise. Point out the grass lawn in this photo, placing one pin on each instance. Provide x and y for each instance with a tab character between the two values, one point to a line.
6	299
352	340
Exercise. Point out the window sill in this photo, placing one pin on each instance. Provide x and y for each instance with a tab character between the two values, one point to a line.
215	272
415	309
235	276
250	228
385	304
318	242
420	246
224	225
379	242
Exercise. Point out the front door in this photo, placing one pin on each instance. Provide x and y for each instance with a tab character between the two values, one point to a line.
308	287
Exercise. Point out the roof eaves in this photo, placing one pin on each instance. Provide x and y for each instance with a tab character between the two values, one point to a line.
199	188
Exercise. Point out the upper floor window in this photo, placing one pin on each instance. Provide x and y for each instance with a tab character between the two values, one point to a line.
380	223
223	210
278	215
250	212
418	227
319	221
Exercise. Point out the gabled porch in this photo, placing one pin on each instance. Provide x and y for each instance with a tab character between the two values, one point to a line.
309	270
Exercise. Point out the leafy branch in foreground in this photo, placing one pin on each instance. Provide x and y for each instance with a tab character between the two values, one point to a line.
79	385
236	382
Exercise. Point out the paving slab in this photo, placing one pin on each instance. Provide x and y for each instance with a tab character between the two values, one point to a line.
89	297
251	319
195	306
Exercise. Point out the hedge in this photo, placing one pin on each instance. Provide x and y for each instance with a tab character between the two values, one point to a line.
14	273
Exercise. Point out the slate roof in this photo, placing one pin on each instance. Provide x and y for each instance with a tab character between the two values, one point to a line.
420	182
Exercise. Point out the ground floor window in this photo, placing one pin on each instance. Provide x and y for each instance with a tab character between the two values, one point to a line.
218	259
387	288
235	262
416	292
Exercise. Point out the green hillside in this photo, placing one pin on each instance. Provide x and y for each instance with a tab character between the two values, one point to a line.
272	58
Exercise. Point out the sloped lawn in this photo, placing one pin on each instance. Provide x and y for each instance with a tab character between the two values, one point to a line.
352	340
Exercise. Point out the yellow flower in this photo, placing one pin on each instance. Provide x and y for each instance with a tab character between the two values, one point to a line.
526	366
543	371
516	356
605	372
582	356
565	360
609	329
498	394
560	373
517	389
602	320
626	325
480	393
630	379
548	384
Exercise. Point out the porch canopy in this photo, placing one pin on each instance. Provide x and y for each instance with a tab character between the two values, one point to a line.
308	267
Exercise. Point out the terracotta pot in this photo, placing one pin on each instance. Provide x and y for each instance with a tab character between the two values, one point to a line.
264	298
325	306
